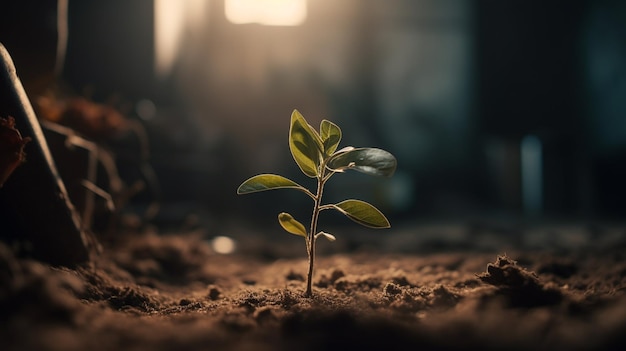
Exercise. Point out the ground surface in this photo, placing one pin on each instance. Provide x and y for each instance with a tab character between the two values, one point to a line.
165	292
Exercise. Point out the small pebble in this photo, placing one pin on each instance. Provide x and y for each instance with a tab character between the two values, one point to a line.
214	293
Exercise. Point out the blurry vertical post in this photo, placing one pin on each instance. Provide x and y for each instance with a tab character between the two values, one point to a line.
532	175
173	19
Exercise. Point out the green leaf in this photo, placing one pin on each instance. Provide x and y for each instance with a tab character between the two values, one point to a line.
305	145
362	213
291	225
365	160
264	182
331	136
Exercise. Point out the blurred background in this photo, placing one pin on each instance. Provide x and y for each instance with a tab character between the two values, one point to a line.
494	109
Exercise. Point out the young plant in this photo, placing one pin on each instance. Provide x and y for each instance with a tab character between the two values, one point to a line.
317	156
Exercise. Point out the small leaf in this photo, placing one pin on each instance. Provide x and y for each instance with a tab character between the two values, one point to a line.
331	136
328	236
345	149
365	160
362	213
305	145
264	182
291	225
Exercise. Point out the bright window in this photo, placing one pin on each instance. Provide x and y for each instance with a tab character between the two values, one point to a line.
267	12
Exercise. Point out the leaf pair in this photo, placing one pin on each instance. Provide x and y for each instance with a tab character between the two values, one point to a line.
292	226
310	148
359	211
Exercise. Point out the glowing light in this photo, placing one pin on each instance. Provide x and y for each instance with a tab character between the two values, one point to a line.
223	245
172	18
267	12
168	26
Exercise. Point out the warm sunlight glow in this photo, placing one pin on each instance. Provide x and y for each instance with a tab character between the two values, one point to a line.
267	12
168	25
172	18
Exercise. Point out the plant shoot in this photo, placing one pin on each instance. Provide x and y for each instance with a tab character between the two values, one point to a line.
317	156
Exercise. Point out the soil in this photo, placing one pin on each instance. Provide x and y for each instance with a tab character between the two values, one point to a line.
158	291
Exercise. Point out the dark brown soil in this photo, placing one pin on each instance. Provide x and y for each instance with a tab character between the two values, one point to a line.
173	292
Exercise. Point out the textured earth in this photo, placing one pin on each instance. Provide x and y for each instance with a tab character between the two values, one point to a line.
156	291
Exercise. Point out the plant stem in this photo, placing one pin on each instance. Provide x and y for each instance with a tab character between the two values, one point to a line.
311	238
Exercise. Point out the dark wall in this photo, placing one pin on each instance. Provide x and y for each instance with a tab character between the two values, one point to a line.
529	63
553	69
530	81
111	48
29	33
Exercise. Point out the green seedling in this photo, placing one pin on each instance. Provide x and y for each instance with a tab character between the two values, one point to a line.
317	156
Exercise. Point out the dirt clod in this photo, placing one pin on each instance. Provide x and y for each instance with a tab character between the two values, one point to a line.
392	289
214	293
520	288
295	276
